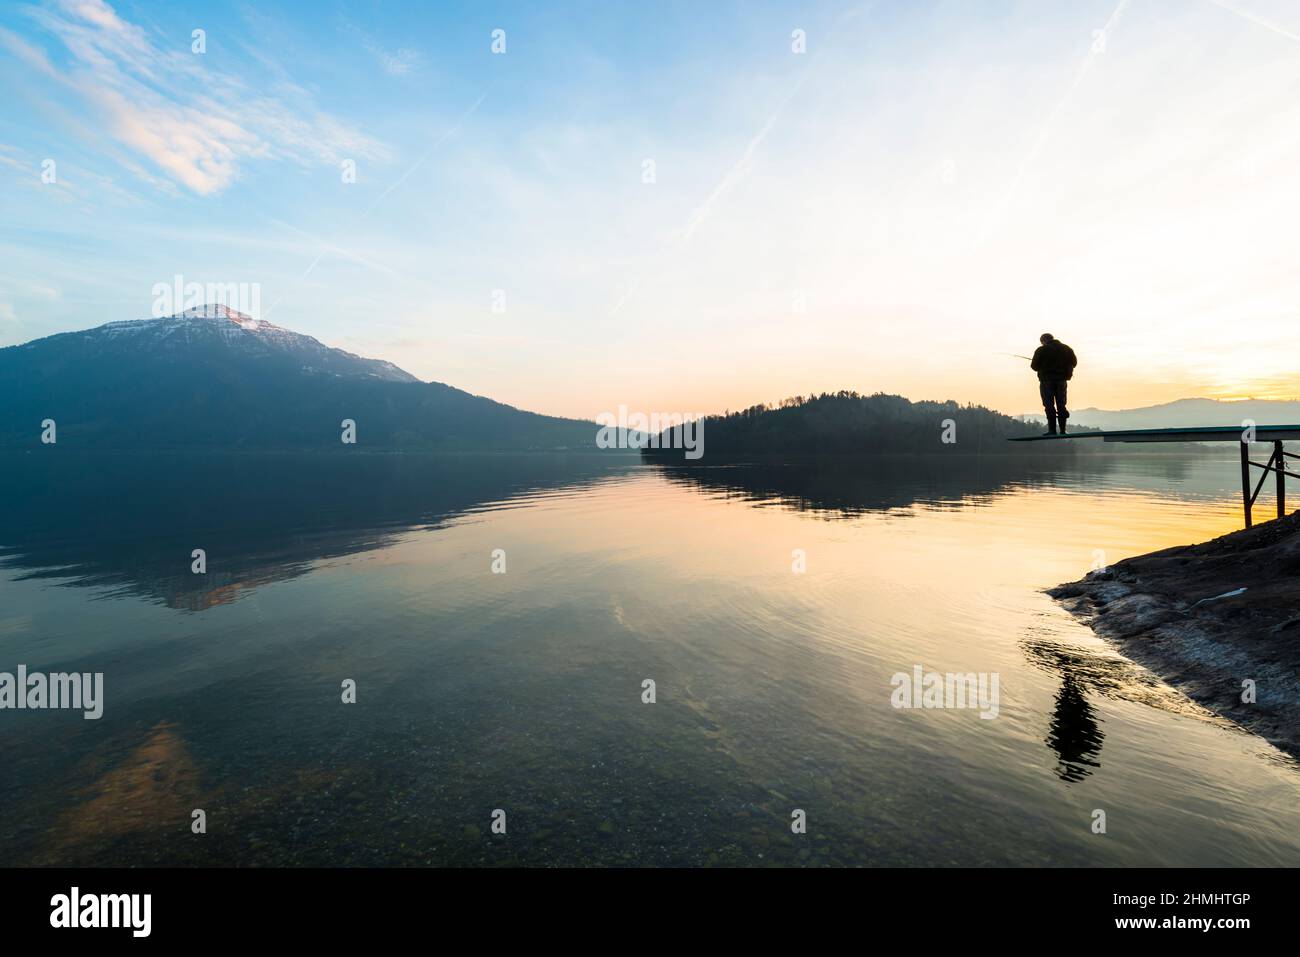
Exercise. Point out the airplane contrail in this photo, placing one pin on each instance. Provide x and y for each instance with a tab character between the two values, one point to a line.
738	169
427	153
1046	130
732	175
1255	18
702	211
378	199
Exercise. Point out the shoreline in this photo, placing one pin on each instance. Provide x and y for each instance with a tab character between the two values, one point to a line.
1209	618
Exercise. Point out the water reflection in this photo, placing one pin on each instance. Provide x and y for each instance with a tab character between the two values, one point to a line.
524	690
129	523
849	487
1074	730
846	490
1075	734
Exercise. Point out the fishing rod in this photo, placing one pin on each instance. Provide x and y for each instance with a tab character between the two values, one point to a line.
1014	355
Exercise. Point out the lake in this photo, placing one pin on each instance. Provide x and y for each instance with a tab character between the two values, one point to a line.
500	615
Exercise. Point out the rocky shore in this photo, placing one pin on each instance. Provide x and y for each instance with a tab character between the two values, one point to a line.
1211	619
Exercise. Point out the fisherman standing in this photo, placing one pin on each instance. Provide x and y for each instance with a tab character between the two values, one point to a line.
1054	362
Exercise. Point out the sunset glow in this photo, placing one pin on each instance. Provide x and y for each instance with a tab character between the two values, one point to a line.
927	186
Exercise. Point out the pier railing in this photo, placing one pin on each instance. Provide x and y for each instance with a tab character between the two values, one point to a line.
1274	435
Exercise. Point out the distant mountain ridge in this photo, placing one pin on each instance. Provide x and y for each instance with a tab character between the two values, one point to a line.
213	377
1184	413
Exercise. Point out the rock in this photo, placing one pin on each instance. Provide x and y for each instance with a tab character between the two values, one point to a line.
1148	607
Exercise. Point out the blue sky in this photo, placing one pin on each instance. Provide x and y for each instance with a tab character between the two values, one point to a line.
929	183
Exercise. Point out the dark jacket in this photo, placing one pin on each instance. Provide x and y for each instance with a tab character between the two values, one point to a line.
1054	361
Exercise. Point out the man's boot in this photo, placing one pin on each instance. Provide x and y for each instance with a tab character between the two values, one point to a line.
1051	425
1063	426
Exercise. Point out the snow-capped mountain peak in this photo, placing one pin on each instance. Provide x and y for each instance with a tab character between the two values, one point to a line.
200	330
220	311
213	377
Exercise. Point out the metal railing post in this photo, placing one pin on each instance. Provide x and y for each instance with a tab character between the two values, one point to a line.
1281	478
1245	479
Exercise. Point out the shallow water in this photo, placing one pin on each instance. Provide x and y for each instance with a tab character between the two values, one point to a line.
522	691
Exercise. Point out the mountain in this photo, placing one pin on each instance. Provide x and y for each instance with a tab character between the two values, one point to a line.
854	424
215	378
1189	412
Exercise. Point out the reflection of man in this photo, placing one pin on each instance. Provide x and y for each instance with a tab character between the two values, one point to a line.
1074	733
1054	362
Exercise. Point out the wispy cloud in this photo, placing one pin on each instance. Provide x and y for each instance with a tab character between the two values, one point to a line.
196	124
9	159
398	62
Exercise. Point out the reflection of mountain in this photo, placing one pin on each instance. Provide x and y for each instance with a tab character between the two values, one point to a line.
854	485
130	521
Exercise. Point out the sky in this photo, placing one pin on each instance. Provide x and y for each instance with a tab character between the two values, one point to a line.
678	207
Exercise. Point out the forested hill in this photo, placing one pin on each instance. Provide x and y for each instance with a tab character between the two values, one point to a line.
850	423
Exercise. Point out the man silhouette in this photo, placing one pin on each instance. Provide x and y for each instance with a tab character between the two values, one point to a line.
1054	362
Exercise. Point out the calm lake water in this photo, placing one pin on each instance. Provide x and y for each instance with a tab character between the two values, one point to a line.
523	691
